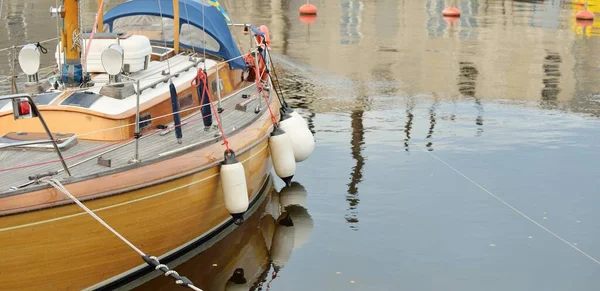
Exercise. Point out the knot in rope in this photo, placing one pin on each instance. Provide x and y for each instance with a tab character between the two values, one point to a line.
200	76
43	50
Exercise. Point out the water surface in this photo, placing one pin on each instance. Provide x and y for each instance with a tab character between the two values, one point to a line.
423	124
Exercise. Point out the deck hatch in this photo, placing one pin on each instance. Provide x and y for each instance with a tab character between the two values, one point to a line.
44	99
81	99
37	141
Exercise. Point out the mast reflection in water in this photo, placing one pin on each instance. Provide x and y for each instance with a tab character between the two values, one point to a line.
253	254
466	86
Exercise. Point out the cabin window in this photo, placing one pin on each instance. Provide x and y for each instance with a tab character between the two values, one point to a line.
147	25
193	36
213	86
150	26
145	121
186	102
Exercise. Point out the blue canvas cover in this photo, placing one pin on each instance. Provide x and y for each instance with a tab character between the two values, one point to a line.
215	24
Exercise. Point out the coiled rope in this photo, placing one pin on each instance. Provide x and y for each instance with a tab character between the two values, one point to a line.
150	260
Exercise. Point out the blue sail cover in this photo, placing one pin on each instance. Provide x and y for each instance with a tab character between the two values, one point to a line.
215	24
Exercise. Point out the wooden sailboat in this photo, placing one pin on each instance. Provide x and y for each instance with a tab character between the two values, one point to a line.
158	124
244	258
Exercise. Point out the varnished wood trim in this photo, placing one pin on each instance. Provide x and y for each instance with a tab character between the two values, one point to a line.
129	201
143	273
241	139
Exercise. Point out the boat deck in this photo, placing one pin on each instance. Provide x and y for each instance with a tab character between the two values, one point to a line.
82	158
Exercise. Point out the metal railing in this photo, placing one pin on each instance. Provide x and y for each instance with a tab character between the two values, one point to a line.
195	58
39	115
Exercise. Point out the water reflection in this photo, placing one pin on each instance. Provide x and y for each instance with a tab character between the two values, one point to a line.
252	255
436	25
432	121
468	20
416	47
350	21
467	81
409	124
551	79
357	143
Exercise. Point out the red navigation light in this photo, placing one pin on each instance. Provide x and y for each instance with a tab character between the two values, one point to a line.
24	108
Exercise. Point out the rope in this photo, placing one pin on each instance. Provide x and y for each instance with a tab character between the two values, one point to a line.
130	124
509	205
282	99
202	76
152	261
260	89
189	121
273	276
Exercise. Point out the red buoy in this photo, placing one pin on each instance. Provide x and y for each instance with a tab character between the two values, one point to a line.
308	19
584	15
451	20
451	12
308	9
584	23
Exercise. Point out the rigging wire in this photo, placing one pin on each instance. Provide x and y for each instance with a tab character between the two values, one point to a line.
204	39
189	27
508	205
60	59
150	260
162	26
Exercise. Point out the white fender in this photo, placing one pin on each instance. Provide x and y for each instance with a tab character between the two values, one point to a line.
302	138
303	224
282	154
283	241
273	206
298	119
267	228
235	190
295	194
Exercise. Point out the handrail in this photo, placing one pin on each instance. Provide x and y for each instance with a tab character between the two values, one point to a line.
25	143
39	115
194	58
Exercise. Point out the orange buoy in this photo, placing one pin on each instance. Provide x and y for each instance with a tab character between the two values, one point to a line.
451	12
584	15
308	19
308	9
584	23
451	20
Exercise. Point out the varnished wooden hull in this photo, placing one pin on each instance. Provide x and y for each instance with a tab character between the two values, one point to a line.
160	207
243	248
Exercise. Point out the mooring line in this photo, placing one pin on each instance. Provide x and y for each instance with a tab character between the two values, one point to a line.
150	260
509	205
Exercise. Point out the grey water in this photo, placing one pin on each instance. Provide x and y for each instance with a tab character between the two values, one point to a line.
451	154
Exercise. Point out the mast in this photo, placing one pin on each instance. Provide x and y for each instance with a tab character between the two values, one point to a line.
72	74
100	17
176	26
